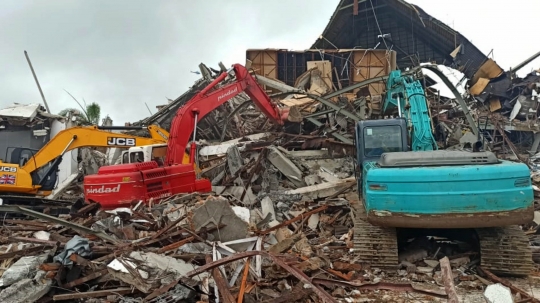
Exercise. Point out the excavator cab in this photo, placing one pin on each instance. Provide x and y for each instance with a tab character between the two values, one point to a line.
147	153
375	137
20	156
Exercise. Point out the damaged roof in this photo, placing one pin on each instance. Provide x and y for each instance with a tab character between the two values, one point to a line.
27	112
415	35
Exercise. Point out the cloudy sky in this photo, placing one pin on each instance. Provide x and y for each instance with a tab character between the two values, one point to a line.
124	53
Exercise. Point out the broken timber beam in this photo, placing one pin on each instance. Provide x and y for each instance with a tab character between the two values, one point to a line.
24	252
93	294
448	279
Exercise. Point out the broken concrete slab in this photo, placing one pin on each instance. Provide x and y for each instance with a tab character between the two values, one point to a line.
27	290
308	154
323	190
327	176
424	270
267	206
498	293
459	262
432	263
220	149
24	268
285	166
216	211
234	159
312	180
313	221
284	245
236	191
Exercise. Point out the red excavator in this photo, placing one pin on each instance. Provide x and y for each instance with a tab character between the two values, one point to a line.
120	185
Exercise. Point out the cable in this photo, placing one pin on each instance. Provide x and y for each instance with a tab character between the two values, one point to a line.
377	22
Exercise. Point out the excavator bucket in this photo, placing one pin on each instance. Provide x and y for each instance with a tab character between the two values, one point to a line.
291	114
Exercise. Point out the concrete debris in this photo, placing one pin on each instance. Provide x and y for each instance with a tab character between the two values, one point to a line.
280	224
25	267
285	166
148	271
497	293
27	290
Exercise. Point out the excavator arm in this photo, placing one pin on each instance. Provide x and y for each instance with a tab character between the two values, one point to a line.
158	133
407	95
211	97
77	137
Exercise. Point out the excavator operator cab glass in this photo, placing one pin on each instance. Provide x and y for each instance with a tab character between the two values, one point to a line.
382	139
125	157
136	157
158	155
19	155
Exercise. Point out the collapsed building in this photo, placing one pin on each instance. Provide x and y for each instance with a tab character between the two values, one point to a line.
278	225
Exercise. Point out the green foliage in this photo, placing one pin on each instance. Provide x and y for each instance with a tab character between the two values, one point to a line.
90	115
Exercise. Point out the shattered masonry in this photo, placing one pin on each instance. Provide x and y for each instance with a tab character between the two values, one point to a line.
278	226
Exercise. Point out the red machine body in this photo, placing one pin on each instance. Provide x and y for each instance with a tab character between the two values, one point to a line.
121	185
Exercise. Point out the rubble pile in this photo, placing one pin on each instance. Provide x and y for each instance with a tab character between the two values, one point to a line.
279	223
278	228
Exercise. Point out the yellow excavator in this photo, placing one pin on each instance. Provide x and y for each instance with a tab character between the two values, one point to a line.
29	172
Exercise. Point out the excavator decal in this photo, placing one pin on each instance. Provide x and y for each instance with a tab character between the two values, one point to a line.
119	141
104	190
8	179
8	169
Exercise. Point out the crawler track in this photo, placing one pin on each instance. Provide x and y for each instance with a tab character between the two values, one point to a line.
505	251
375	245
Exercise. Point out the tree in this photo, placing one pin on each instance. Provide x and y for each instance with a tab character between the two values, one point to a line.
91	113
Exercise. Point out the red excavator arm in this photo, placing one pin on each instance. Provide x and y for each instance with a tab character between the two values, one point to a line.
120	185
208	99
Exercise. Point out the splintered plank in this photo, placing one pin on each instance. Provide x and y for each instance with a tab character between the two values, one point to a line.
93	294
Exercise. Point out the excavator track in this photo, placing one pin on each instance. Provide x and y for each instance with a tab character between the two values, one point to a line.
505	251
52	207
375	245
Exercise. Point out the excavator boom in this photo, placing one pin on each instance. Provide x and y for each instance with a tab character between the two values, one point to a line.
77	137
123	184
211	98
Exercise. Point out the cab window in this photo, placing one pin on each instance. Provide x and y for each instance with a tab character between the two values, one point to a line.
136	157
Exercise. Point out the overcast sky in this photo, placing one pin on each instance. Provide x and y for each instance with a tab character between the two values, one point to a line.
124	53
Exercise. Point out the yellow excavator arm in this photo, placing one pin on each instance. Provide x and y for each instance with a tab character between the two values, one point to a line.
16	179
158	133
77	137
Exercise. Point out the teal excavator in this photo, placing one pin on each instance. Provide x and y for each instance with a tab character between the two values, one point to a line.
407	184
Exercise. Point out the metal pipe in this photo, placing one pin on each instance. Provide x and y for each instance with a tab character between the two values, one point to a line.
399	106
37	82
111	127
193	146
68	145
525	62
195	126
